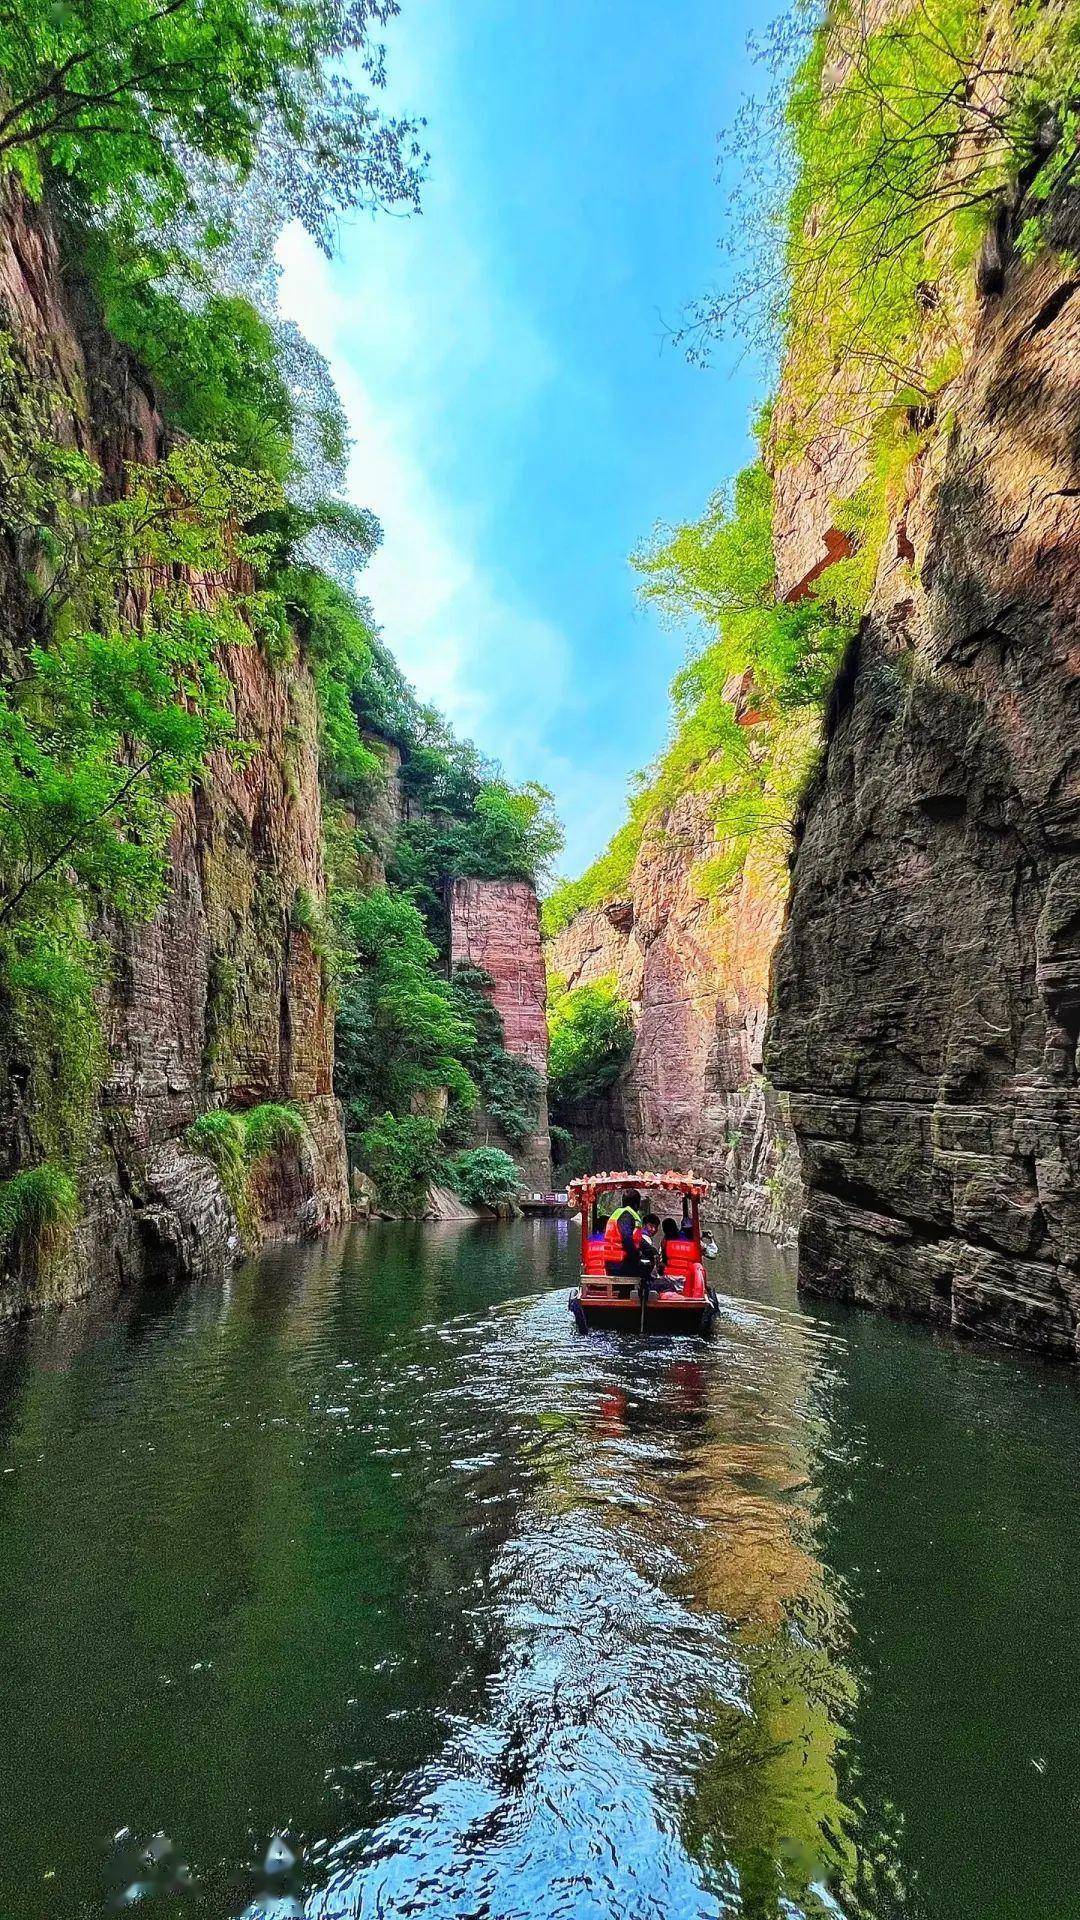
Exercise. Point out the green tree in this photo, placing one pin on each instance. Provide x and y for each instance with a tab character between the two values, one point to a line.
485	1177
591	1036
777	659
510	1088
404	1154
111	95
399	1033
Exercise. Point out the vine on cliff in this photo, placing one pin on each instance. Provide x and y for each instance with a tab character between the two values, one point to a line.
883	154
742	734
114	703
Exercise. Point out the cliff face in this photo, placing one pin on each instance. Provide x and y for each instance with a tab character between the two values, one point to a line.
495	925
926	1015
695	972
220	1000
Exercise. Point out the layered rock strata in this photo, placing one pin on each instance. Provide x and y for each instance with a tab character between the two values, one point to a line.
926	1016
220	1000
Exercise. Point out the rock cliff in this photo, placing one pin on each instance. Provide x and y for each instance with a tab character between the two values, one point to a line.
495	925
695	972
926	998
220	1000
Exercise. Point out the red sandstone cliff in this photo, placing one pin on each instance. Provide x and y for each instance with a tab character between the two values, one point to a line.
220	1000
695	971
495	925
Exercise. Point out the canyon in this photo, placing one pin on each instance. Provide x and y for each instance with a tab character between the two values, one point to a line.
223	998
867	1038
694	971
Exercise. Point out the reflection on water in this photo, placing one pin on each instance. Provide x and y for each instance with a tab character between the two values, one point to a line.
368	1588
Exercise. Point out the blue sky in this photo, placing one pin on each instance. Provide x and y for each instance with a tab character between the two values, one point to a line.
519	420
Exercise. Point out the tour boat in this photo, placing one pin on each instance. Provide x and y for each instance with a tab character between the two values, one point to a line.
680	1300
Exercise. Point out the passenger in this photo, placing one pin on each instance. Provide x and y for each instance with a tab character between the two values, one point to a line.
686	1225
627	1249
670	1231
650	1247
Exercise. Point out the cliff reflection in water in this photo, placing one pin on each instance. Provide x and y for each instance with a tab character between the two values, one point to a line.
371	1551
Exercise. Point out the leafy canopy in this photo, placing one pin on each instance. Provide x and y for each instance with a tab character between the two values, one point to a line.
485	1177
591	1037
399	1033
118	96
405	1156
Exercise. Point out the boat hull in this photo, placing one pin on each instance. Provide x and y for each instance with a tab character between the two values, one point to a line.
661	1316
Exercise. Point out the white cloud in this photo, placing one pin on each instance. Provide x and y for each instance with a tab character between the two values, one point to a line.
497	668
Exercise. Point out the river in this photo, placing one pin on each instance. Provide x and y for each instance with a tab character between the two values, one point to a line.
367	1587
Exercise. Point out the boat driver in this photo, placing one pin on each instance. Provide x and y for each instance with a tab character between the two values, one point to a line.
627	1247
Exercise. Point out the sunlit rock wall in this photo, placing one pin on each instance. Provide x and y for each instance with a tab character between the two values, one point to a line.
694	968
495	924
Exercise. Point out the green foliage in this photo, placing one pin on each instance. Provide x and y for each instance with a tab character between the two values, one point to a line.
117	100
485	1177
883	209
569	1158
510	1088
37	1206
219	1137
591	1036
466	820
718	572
215	361
337	640
233	1142
116	705
323	930
102	731
270	1128
867	177
501	833
606	879
400	1034
49	972
404	1155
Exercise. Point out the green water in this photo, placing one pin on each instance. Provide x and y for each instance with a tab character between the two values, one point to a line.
372	1552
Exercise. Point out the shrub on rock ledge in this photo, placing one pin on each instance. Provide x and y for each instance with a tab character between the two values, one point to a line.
485	1177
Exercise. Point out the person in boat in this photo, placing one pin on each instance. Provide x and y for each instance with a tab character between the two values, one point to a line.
627	1247
651	1245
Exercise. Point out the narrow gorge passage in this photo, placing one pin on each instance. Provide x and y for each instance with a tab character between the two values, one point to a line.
372	1553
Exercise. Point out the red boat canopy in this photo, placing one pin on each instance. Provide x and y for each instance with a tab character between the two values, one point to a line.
579	1192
